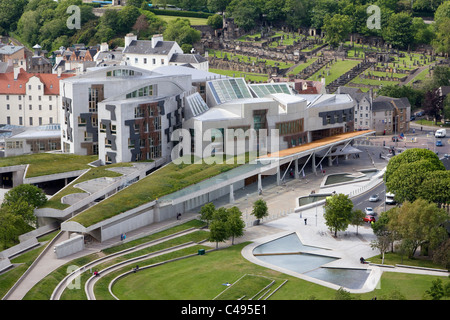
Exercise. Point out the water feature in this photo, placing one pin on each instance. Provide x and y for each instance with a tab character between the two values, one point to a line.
290	253
349	177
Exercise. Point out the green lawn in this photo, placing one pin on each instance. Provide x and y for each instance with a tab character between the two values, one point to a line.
255	77
194	21
93	173
49	163
202	278
299	68
222	54
164	181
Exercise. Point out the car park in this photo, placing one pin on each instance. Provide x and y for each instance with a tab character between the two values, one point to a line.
374	198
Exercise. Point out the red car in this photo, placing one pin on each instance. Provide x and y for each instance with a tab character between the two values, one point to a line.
369	218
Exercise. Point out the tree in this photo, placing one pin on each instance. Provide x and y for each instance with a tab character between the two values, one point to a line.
260	209
410	156
436	290
297	13
217	5
357	218
218	227
338	212
33	195
245	13
141	24
127	18
235	224
207	212
436	187
399	30
336	29
215	21
180	30
407	180
10	13
419	223
8	228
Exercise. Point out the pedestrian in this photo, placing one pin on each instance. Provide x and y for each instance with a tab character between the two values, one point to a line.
121	237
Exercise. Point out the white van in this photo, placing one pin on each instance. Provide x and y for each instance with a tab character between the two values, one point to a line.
390	198
441	133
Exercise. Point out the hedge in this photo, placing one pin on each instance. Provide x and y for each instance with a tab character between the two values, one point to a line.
179	13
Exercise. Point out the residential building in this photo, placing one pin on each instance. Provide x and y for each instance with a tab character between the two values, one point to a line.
154	53
391	115
15	54
363	108
29	99
385	115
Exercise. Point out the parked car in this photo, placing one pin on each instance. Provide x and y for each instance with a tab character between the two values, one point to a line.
374	198
369	218
369	211
439	143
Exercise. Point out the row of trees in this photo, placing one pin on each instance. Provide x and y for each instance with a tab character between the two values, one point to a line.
17	213
225	223
422	185
339	18
45	22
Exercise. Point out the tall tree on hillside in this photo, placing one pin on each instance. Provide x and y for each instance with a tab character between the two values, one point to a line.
10	13
336	29
399	30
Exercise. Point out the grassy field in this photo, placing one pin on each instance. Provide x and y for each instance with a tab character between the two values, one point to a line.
164	181
221	54
335	71
299	68
94	173
254	77
194	21
203	278
49	163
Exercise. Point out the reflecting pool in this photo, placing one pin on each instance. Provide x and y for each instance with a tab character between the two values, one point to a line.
290	253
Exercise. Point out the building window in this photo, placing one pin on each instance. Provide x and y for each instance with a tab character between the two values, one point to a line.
40	121
31	121
290	127
328	119
7	107
145	60
8	120
95	96
81	122
50	120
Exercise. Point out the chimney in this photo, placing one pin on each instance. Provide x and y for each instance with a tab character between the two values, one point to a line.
16	72
128	38
104	47
156	38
